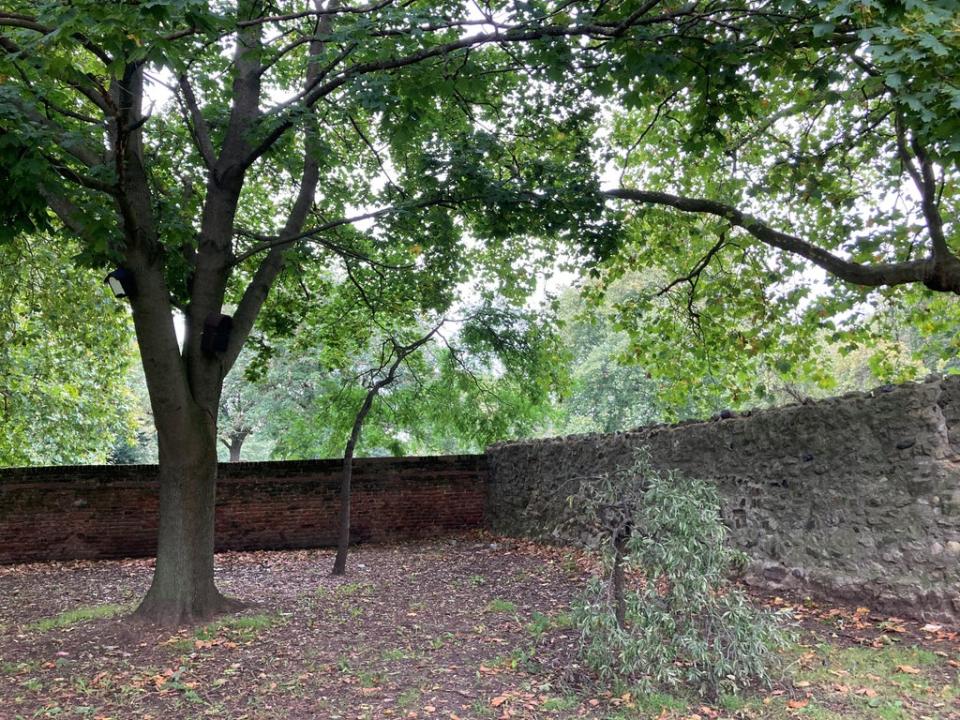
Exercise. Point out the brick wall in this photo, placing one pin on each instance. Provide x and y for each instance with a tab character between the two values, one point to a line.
58	513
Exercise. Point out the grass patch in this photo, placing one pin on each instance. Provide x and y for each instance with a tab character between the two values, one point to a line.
77	615
541	624
369	679
500	606
556	704
245	626
18	668
395	654
438	642
656	703
409	697
182	646
354	588
868	666
850	683
517	659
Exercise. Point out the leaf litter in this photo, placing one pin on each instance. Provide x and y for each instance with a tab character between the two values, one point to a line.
466	627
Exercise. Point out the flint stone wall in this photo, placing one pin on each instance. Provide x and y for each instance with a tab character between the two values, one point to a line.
856	497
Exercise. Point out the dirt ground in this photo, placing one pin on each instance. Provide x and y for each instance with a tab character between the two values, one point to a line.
470	627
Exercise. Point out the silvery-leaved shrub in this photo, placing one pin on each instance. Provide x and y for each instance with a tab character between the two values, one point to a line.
682	623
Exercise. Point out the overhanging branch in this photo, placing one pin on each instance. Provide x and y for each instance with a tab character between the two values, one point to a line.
936	275
282	119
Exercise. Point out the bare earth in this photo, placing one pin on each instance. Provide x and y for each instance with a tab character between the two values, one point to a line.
472	627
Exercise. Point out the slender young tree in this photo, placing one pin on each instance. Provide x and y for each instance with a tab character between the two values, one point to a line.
393	355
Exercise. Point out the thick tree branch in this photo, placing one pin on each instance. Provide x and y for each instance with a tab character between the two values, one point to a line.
904	154
224	186
98	96
197	125
29	23
281	119
65	140
923	271
68	213
256	292
318	13
246	88
77	178
929	203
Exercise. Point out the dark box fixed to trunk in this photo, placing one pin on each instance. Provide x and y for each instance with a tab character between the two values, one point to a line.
216	333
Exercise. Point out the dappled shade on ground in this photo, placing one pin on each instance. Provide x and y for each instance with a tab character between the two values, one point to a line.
475	627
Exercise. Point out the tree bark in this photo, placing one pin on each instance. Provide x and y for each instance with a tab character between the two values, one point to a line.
183	589
343	539
939	272
236	444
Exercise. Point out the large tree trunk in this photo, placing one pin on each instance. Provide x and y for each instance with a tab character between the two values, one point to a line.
183	590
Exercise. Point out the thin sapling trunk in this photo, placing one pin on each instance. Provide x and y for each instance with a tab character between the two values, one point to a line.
398	353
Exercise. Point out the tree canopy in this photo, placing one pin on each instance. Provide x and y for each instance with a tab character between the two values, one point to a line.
833	148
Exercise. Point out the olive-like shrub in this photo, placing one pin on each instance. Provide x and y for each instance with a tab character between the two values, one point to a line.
679	621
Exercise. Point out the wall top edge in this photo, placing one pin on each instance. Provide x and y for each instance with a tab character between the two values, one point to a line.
741	415
227	470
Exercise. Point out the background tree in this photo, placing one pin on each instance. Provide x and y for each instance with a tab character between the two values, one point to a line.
609	391
140	446
242	409
64	352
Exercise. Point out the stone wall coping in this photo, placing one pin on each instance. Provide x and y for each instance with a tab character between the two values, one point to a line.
734	415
